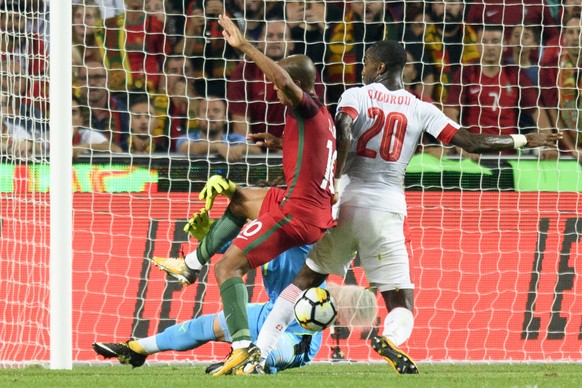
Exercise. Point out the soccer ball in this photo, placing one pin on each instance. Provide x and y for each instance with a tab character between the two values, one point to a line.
315	309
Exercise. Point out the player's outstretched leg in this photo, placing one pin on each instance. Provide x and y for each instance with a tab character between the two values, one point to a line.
176	267
237	359
121	351
399	360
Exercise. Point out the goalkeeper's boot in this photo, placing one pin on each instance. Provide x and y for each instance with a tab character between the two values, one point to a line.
177	268
397	359
237	359
121	351
213	367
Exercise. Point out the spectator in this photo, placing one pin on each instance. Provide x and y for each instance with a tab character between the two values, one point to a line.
203	41
157	9
87	30
450	43
142	124
37	17
164	11
413	40
485	97
177	68
509	13
428	144
250	16
212	136
367	22
16	140
108	8
23	114
107	113
252	101
178	116
28	48
524	44
84	138
135	45
569	9
561	84
308	20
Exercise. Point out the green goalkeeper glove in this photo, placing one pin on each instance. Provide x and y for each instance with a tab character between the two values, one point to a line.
199	225
216	185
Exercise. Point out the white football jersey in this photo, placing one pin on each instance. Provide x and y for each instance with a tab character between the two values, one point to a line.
386	131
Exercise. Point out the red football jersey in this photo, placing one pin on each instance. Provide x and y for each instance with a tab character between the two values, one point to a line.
309	154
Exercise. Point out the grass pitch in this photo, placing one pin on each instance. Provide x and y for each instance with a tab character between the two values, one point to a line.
312	376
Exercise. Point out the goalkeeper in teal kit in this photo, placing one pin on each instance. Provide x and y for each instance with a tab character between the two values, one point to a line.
295	348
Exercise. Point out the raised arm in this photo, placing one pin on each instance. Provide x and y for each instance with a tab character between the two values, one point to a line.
270	68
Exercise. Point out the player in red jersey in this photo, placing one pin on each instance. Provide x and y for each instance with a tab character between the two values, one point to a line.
283	218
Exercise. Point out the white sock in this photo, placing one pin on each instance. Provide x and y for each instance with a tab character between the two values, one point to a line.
398	325
277	320
241	344
192	261
149	344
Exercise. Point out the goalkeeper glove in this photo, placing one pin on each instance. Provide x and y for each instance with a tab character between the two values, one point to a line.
199	225
216	185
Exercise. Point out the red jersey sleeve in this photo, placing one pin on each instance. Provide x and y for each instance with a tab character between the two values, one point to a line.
308	107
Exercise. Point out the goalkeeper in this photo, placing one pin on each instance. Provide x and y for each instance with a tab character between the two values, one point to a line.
295	348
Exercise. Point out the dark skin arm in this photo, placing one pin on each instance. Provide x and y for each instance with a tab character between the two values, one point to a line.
274	73
266	140
479	143
343	126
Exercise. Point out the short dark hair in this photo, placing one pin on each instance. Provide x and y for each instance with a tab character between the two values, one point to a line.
491	28
15	6
389	52
138	98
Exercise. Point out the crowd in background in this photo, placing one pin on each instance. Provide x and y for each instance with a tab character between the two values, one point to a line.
155	76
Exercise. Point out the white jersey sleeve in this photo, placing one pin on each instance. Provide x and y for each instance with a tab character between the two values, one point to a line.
385	134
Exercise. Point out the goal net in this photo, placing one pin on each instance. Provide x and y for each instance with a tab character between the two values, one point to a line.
495	240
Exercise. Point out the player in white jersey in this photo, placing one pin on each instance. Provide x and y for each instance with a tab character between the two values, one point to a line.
385	123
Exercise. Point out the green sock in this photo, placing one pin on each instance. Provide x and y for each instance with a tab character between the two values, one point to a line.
223	230
234	299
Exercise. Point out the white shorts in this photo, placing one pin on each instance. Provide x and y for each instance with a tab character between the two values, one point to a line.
377	236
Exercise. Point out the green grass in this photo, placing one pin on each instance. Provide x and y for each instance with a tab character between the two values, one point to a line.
313	376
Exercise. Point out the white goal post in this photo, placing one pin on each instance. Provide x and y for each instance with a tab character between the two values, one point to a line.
61	189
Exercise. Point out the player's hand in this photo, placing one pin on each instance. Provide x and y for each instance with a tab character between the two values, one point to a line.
543	139
216	185
231	33
266	140
199	225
